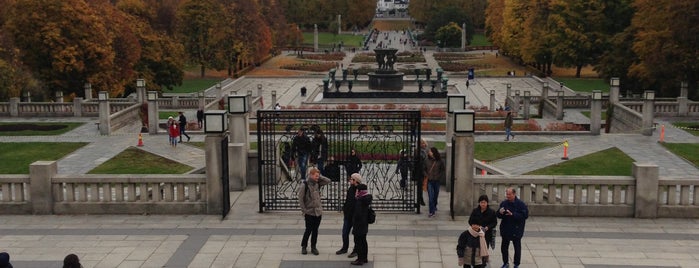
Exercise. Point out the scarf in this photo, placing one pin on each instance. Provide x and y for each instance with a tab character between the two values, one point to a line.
361	193
481	237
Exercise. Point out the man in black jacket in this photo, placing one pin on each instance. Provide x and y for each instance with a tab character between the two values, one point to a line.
348	213
514	213
301	147
183	126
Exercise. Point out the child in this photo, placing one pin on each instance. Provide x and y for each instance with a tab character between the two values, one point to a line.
472	248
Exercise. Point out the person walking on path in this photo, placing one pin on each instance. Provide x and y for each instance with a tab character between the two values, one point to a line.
486	219
5	260
183	126
348	214
435	171
311	207
472	247
508	125
361	224
514	213
172	131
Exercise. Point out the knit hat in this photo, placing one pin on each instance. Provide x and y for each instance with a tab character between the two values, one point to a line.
356	177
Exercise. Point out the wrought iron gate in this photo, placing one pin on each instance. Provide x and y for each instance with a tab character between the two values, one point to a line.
379	139
226	196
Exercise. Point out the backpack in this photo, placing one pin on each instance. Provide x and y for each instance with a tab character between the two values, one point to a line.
371	217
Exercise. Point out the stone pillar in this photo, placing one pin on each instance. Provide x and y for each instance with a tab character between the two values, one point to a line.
78	107
463	174
646	201
105	122
527	103
237	166
450	134
59	96
88	91
559	105
516	106
40	175
214	187
259	90
202	100
14	107
238	125
508	92
27	96
339	24
595	114
274	98
153	117
140	94
219	91
682	100
315	37
492	100
614	90
463	37
647	123
544	91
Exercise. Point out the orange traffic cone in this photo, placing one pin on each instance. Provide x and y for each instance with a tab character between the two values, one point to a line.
565	150
483	172
140	140
662	134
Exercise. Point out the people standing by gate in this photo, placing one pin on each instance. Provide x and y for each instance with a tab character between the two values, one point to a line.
348	214
301	147
435	171
514	213
361	224
353	164
183	126
312	208
320	150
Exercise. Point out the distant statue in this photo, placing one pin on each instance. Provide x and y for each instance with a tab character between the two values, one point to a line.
391	59
380	60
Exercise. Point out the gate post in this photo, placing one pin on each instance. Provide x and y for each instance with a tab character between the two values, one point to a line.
214	189
454	102
238	122
463	192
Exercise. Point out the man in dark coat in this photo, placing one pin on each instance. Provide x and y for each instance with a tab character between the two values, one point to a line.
361	224
301	147
183	126
348	213
353	163
513	213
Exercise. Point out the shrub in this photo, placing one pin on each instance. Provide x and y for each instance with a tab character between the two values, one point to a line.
352	106
389	106
335	56
310	66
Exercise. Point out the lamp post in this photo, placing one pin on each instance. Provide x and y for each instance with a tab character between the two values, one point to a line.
152	97
614	84
141	90
559	105
454	102
492	100
527	102
238	107
508	93
596	112
88	91
462	195
215	126
105	126
648	109
544	91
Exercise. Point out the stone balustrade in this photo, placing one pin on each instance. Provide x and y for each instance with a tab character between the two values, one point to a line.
626	119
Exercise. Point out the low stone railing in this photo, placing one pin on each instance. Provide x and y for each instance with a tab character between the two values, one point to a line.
125	117
625	120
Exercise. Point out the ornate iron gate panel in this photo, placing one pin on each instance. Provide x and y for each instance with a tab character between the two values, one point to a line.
379	139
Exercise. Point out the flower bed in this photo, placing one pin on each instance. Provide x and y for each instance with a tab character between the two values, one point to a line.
311	66
335	56
452	56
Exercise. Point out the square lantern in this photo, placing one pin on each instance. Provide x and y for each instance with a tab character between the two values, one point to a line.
596	94
614	81
516	92
492	92
527	93
215	121
560	93
649	95
259	86
152	95
546	84
509	85
141	83
455	102
102	95
237	104
464	121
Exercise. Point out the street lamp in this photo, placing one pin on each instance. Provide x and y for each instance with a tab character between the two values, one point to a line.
152	95
464	121
560	93
140	83
614	81
527	93
102	95
649	95
215	121
237	104
455	102
596	94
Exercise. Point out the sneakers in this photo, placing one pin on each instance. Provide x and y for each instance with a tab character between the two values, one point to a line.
504	266
315	251
352	255
341	251
304	251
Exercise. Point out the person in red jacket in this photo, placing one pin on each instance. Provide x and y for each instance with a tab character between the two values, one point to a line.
173	131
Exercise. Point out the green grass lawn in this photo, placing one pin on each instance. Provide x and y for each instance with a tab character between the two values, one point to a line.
35	128
328	39
610	162
165	115
582	84
194	85
137	161
17	156
687	151
490	151
480	40
587	114
691	127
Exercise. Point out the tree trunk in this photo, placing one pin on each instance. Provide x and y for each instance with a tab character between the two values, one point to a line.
203	69
578	69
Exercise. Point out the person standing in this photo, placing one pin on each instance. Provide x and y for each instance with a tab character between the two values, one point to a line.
200	118
514	213
435	171
508	125
183	126
354	164
361	224
320	150
173	131
312	208
5	260
348	214
472	248
486	219
402	168
301	146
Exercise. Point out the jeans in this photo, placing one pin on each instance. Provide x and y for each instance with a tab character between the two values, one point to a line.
517	243
312	224
346	229
182	133
433	194
508	133
361	246
302	164
321	165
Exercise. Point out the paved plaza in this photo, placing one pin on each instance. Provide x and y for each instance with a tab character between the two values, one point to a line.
246	238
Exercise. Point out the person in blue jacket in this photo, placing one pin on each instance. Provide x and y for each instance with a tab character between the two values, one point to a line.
514	213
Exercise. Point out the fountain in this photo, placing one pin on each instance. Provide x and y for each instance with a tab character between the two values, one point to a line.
385	77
